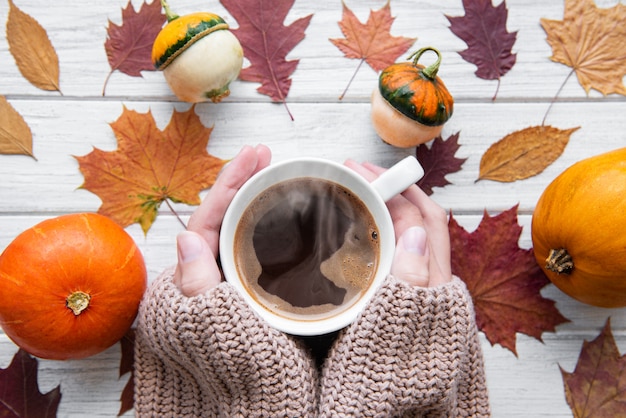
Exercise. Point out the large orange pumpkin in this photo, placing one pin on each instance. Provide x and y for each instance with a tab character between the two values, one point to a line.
579	230
70	286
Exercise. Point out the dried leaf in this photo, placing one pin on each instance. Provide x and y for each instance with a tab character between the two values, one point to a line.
266	43
33	52
150	166
19	391
590	40
127	362
129	45
523	154
438	161
372	41
483	28
15	135
597	387
503	279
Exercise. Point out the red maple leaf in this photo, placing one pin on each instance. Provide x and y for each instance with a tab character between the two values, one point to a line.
597	387
19	390
483	28
127	365
266	43
503	279
438	161
129	45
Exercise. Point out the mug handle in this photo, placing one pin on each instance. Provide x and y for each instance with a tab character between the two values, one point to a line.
398	178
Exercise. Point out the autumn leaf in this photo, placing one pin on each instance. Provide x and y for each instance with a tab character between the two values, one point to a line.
129	45
503	279
266	43
15	134
523	154
590	40
371	41
489	44
438	161
150	166
127	361
19	391
597	387
33	52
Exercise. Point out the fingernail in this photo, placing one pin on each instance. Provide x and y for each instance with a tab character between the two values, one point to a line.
414	240
189	246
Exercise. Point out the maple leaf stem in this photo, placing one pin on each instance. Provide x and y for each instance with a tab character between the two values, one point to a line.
351	78
106	81
169	205
493	99
556	96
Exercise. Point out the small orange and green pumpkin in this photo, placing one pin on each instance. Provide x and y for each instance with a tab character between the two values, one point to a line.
411	103
198	55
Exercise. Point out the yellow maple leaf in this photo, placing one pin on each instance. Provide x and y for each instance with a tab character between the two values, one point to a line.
592	41
150	166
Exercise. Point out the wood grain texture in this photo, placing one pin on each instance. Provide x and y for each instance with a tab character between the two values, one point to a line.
71	125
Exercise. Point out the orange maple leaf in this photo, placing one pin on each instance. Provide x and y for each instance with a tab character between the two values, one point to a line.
590	40
150	166
372	41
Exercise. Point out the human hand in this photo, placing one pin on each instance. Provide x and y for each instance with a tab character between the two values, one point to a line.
197	270
422	256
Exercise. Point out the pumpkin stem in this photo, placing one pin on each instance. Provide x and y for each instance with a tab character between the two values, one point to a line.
78	301
560	262
168	12
430	71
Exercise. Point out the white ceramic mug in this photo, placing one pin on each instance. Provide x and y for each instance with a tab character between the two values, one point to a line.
374	195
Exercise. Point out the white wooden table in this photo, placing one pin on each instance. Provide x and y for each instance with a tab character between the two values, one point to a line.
529	385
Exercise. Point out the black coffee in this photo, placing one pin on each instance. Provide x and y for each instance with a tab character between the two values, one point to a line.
307	248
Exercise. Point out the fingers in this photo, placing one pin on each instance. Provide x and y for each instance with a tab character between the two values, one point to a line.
411	259
197	269
423	245
207	219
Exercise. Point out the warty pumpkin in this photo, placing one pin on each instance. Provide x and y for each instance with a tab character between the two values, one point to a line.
411	103
70	286
579	230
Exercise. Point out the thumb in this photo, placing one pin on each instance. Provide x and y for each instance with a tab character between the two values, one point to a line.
197	269
410	263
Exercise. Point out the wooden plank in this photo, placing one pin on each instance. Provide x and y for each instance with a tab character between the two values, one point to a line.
66	128
78	31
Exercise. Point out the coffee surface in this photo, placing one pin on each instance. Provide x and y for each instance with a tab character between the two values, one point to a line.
306	247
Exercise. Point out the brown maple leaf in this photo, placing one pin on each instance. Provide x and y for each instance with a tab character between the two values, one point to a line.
150	166
266	43
524	153
19	390
438	161
129	45
371	41
503	279
597	387
590	40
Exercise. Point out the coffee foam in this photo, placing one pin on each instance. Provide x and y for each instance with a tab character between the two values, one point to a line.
351	267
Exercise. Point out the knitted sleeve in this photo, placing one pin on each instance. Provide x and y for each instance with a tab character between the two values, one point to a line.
210	355
413	352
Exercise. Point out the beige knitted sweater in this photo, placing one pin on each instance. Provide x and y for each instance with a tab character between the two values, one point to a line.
414	352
